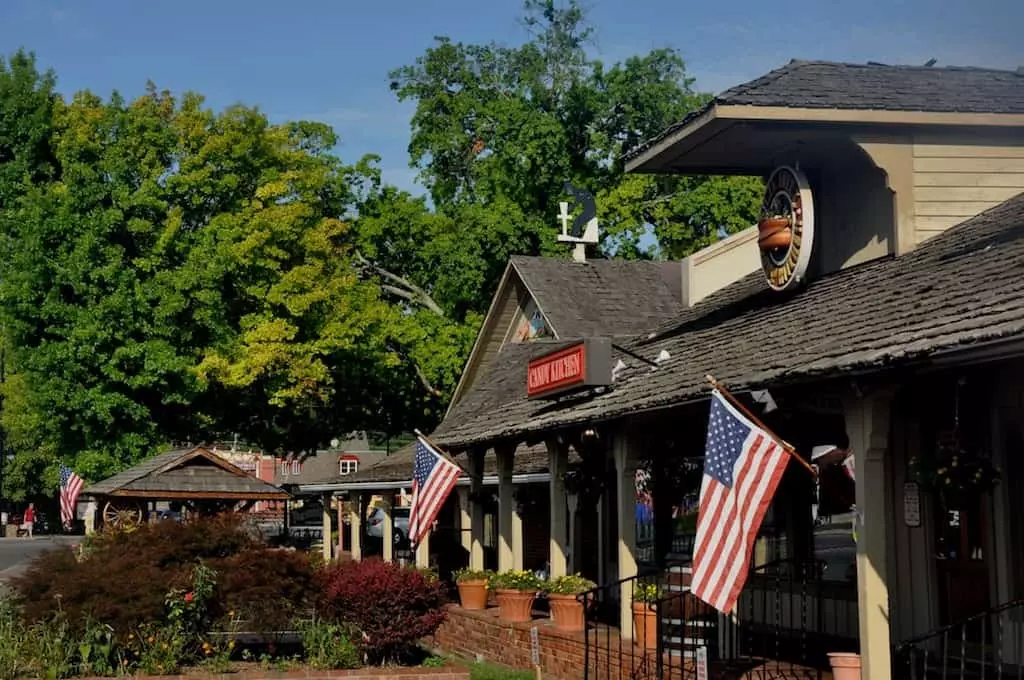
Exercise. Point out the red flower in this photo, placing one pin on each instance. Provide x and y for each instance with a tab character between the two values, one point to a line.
189	597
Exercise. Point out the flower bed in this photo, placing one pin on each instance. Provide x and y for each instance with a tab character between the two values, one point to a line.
205	597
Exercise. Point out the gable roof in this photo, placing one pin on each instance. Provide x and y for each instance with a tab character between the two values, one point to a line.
871	86
181	473
596	297
602	297
958	290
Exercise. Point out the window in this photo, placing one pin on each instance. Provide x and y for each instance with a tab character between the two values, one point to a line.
296	467
284	468
347	466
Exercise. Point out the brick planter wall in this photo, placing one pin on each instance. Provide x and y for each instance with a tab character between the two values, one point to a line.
477	634
481	634
447	673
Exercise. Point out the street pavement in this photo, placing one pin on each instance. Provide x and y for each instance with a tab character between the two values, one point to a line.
16	553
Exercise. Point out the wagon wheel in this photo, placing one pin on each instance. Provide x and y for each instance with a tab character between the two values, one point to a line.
122	516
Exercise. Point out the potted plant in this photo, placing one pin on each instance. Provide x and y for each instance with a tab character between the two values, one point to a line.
515	590
645	614
566	599
845	665
472	585
774	231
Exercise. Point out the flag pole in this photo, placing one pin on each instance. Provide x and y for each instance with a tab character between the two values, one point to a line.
445	454
783	443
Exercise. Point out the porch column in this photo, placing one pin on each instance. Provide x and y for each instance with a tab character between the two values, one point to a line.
325	526
558	459
423	552
517	539
867	424
572	500
388	547
476	510
341	527
465	519
355	523
506	510
625	509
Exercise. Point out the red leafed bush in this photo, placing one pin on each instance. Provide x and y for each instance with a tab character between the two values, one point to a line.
392	606
123	578
265	587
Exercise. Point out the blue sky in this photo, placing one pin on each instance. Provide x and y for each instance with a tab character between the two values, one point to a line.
328	59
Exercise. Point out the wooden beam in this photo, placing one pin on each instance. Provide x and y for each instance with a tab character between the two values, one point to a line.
200	495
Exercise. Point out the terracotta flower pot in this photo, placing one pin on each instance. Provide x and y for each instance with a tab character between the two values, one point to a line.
845	665
515	606
566	612
774	232
645	625
473	594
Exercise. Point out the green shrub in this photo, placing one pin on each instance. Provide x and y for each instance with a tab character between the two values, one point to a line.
329	645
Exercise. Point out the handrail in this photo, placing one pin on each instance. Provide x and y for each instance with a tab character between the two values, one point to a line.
998	609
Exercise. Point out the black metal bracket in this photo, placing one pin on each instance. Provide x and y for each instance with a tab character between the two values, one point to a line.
649	362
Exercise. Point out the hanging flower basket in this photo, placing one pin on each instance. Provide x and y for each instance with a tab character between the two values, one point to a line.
953	474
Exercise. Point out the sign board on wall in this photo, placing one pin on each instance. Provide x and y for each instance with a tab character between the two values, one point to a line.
786	229
584	364
702	663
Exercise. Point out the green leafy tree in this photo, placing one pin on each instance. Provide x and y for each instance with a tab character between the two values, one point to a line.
497	125
181	273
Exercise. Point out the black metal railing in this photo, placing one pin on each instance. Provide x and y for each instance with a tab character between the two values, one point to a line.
607	654
785	622
989	644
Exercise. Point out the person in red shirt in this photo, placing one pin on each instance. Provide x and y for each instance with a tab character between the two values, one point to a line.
29	519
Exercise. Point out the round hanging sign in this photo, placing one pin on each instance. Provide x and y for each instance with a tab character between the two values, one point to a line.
786	228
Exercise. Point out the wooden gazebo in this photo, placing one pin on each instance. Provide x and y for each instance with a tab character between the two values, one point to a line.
200	480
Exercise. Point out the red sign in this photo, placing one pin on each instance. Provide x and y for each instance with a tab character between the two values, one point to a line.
557	371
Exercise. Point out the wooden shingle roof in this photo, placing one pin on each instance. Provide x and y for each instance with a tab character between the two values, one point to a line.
186	473
956	291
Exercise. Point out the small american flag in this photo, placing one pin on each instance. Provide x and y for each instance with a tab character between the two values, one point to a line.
433	478
742	468
70	486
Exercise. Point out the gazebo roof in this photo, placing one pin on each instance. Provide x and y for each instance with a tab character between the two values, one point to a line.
192	473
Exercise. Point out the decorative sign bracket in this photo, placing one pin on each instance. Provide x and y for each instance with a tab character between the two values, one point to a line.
583	231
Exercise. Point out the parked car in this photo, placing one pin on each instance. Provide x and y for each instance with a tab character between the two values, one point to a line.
375	524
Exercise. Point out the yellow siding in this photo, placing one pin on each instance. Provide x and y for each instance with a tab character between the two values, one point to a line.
953	182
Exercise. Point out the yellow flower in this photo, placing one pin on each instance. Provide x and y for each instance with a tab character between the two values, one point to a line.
131	636
163	646
231	645
150	639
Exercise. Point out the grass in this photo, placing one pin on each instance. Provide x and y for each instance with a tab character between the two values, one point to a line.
490	671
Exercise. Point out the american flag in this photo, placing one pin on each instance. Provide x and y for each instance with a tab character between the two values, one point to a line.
742	468
433	478
70	486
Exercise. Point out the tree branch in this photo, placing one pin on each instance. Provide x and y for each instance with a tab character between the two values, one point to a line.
400	286
419	371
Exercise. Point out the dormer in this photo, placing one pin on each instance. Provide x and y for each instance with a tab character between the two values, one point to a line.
875	158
